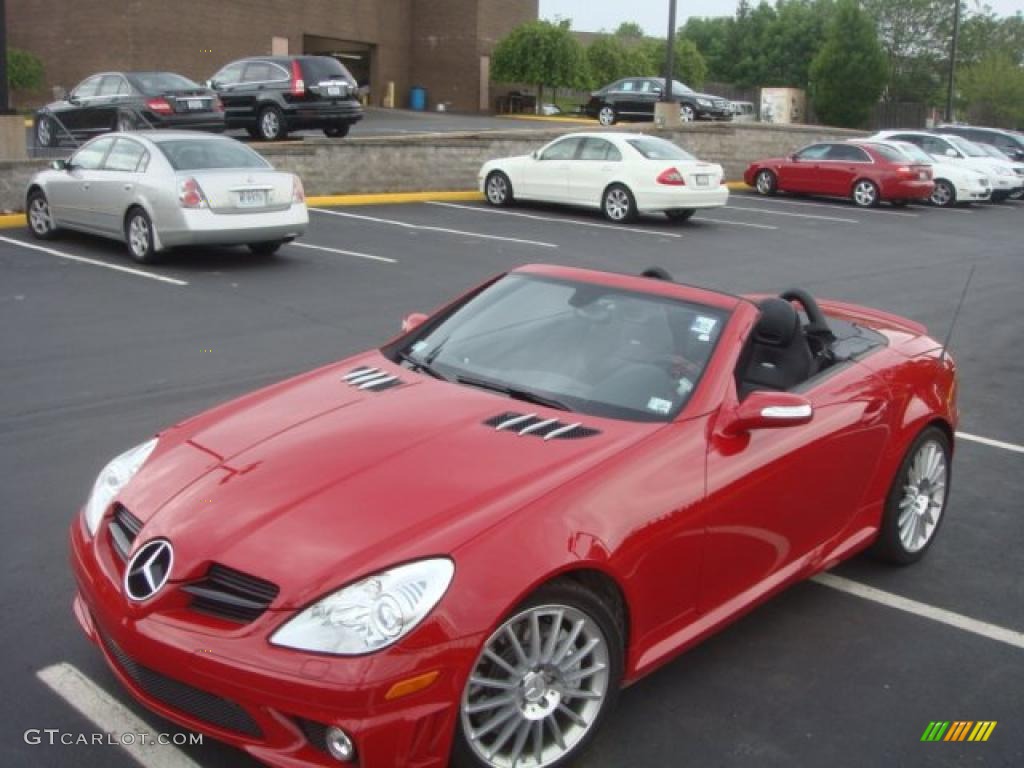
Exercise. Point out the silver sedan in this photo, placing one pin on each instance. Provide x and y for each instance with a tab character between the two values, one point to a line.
161	189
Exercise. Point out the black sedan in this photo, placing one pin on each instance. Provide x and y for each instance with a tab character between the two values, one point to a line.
633	98
124	101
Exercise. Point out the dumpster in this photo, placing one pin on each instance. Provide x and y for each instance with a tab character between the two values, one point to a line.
418	98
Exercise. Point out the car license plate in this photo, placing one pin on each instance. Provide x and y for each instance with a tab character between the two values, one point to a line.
702	179
195	103
333	90
922	176
252	198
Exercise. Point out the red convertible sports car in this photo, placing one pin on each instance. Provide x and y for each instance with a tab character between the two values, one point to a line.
865	172
457	548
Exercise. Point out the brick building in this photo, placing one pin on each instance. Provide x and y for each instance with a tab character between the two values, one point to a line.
441	45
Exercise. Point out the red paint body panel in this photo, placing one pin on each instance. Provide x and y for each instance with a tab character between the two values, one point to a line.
313	484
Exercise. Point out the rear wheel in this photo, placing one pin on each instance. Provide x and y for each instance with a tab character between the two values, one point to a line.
270	124
40	220
606	115
138	232
337	131
943	195
766	183
680	214
266	248
865	194
46	132
618	203
498	189
917	500
687	113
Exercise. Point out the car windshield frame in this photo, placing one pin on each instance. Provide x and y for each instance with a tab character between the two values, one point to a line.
170	149
426	348
673	152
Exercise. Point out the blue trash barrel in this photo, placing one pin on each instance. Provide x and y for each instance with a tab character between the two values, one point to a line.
418	98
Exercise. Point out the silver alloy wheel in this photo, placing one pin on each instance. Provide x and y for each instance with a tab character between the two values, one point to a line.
924	497
765	183
43	133
270	124
39	216
139	236
865	194
942	195
497	189
537	687
616	204
606	116
686	114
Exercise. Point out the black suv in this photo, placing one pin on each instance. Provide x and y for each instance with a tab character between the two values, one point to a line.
633	98
271	95
1010	143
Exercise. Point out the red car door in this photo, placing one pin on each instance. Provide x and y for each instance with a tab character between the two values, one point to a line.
841	167
776	497
800	172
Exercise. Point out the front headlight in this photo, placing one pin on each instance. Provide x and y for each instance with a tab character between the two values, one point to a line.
704	102
371	614
112	479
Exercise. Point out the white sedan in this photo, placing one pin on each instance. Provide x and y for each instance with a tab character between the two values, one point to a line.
161	189
622	174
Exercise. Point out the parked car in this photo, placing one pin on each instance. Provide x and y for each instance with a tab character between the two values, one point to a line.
861	172
744	111
124	101
993	151
1009	142
272	95
622	174
1006	179
457	548
954	183
162	189
633	98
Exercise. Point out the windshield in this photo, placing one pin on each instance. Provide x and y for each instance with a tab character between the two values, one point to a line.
587	348
680	89
654	148
161	82
993	151
965	146
913	152
205	154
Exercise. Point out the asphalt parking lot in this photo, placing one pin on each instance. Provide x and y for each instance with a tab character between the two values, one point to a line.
97	358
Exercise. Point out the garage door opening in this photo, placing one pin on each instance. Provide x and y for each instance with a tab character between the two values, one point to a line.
356	56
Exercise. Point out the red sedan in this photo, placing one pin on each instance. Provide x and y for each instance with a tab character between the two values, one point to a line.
865	172
461	545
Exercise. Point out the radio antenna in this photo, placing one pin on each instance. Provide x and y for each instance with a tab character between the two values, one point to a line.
956	315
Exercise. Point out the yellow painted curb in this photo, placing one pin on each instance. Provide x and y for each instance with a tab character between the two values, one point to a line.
393	197
28	122
12	220
552	119
737	185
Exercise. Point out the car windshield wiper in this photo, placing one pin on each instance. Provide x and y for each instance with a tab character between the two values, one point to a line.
513	392
420	365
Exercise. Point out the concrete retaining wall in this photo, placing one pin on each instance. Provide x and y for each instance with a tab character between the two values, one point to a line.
437	162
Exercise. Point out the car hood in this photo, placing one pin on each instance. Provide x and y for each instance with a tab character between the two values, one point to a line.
315	482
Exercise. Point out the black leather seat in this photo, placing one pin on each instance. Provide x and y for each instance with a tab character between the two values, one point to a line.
778	357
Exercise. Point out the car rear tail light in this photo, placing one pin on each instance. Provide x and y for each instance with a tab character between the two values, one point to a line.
298	191
298	86
160	105
190	194
672	177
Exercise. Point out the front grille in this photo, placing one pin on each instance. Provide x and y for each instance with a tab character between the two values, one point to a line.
124	529
537	426
231	595
195	703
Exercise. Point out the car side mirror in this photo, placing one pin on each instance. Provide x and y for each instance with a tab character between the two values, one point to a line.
769	410
413	321
61	165
72	99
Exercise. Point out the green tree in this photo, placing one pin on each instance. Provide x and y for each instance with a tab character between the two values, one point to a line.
540	53
687	64
915	36
629	30
711	36
607	61
24	70
993	91
849	72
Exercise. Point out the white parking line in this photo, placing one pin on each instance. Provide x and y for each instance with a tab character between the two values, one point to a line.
941	615
110	716
989	441
738	223
369	256
577	222
826	204
425	227
93	262
766	212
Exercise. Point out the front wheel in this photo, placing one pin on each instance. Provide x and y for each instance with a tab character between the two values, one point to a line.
943	195
865	194
337	131
680	214
606	115
498	189
917	500
542	684
1017	194
138	232
618	203
687	113
40	220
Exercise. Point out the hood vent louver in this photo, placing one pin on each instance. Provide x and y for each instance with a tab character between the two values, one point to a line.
374	379
523	424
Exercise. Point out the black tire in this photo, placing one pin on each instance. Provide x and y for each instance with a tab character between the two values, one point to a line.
138	234
618	203
680	214
944	194
570	594
865	194
1000	197
270	124
890	546
498	189
607	115
1017	195
40	220
337	131
253	133
45	131
766	182
266	248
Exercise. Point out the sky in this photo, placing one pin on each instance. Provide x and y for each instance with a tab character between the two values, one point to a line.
652	15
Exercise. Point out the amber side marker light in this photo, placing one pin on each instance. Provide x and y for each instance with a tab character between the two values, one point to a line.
412	685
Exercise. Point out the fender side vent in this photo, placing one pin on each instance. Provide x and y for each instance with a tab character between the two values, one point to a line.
375	379
530	424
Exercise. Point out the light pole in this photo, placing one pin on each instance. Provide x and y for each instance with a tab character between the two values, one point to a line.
666	93
5	101
952	61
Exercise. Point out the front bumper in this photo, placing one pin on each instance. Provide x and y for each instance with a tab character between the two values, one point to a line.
204	227
271	702
681	197
714	113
